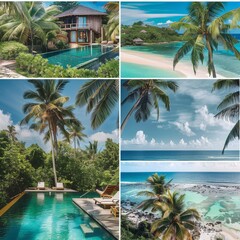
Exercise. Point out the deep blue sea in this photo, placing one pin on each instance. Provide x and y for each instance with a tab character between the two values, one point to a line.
179	155
186	177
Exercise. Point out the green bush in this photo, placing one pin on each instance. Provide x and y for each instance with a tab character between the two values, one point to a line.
10	50
37	66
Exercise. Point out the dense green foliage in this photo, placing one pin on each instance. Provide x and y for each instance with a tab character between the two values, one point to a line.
10	50
64	6
22	167
153	34
36	66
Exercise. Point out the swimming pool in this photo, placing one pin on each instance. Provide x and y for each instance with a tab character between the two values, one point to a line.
46	216
76	56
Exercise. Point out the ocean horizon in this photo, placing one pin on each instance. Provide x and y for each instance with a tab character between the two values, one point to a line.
225	178
179	155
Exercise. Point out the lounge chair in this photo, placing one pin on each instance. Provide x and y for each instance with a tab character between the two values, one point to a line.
59	186
108	191
110	43
115	211
104	42
41	186
113	201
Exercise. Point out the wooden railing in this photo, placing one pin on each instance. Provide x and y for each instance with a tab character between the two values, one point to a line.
75	26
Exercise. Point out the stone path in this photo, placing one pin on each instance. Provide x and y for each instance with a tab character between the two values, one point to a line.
7	69
102	216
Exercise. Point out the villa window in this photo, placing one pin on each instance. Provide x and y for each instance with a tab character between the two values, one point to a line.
82	21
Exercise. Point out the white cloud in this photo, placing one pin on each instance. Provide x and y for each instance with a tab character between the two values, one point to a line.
182	142
140	138
202	126
172	143
201	142
102	136
184	128
153	142
165	23
5	120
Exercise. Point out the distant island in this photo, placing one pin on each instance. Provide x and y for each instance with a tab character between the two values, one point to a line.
139	34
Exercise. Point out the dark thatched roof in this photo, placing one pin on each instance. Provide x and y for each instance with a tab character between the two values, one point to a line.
80	11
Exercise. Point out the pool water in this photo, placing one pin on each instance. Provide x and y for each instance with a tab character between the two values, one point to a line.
38	216
76	56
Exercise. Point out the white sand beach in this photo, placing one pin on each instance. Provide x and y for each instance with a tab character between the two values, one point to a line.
160	62
208	229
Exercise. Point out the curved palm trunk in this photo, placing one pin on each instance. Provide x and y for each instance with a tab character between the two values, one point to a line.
130	113
210	58
53	155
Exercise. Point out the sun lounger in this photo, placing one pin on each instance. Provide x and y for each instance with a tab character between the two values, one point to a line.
104	42
108	191
115	211
41	186
113	201
59	186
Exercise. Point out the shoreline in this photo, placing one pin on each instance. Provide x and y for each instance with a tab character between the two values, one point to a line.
209	227
162	63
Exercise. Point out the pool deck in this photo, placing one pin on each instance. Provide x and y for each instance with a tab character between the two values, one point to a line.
102	216
50	190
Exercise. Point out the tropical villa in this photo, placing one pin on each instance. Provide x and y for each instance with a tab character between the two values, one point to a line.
138	41
82	24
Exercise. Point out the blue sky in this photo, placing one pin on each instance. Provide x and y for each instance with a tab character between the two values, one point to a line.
189	125
158	13
11	102
94	5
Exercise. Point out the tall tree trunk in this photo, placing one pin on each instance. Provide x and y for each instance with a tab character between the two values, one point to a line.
53	154
210	57
74	142
130	113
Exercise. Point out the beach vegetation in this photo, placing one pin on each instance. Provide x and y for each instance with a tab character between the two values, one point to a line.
207	27
146	95
64	6
229	107
9	50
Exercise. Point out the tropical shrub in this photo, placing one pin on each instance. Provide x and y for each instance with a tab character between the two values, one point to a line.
10	50
37	66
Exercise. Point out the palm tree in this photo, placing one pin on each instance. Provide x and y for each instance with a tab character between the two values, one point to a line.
146	94
11	132
91	150
176	222
75	132
100	97
112	28
47	111
206	29
158	187
229	107
29	21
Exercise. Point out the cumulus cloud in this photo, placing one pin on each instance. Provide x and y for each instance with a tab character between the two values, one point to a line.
140	138
201	142
103	136
165	23
184	128
5	120
182	142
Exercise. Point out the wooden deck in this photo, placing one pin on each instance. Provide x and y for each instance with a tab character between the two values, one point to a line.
102	216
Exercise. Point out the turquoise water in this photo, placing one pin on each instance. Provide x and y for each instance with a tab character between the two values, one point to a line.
38	216
221	57
75	56
179	155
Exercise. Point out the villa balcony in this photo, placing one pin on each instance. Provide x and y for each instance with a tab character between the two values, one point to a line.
75	26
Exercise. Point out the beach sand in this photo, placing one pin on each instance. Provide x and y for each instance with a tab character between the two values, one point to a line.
160	62
208	229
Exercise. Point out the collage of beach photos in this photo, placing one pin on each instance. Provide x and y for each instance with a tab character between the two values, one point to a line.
119	120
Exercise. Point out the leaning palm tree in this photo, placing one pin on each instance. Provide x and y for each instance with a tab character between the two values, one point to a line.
11	132
229	107
31	22
75	132
147	94
158	187
112	27
206	28
100	97
47	110
176	222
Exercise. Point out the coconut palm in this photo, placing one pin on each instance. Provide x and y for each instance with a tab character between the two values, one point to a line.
31	22
158	187
91	150
147	94
47	111
206	28
229	107
112	27
75	132
11	132
176	222
100	97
